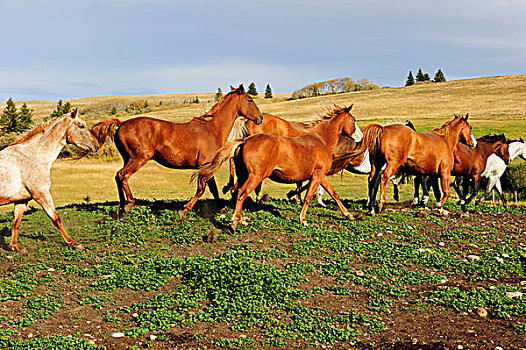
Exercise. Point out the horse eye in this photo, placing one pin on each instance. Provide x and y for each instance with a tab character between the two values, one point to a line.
82	126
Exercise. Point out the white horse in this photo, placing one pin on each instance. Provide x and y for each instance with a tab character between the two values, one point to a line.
25	168
495	168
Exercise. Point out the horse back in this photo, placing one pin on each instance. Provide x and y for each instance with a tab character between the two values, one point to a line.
275	125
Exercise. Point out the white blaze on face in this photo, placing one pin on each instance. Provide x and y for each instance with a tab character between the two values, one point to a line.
357	135
474	140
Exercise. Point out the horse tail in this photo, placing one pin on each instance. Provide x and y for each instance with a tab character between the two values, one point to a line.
106	127
205	172
370	140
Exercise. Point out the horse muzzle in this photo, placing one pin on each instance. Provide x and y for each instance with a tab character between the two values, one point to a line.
259	120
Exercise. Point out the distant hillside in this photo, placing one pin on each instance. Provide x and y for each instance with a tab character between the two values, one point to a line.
498	101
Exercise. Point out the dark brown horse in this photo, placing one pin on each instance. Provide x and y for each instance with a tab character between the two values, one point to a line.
285	160
175	145
426	153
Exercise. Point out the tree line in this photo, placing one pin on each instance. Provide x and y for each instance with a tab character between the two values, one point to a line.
334	86
423	77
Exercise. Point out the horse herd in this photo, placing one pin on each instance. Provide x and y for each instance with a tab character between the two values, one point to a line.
268	147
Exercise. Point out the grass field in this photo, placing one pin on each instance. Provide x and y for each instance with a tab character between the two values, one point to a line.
405	279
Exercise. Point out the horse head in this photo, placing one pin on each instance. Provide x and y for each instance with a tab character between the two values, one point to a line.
502	148
246	106
465	130
79	135
350	127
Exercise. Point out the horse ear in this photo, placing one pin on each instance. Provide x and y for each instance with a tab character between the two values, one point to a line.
348	109
466	117
241	88
74	113
232	88
521	140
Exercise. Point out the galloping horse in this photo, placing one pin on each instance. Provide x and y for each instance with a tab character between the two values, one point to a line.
271	125
427	153
25	168
175	145
285	160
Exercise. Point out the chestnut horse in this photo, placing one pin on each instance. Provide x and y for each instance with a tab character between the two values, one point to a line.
175	145
271	125
277	157
427	153
25	168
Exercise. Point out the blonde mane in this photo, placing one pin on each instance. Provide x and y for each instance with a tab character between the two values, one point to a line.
40	128
327	116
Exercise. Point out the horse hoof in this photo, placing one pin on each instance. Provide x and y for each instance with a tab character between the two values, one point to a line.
349	216
79	247
233	227
304	223
225	189
179	216
444	212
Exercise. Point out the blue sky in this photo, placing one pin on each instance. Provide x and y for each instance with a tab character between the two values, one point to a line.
67	49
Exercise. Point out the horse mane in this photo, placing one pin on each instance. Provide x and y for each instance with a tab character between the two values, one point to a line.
445	129
38	129
202	119
492	138
331	113
239	129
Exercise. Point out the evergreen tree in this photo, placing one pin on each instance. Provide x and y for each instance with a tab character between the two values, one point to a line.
268	92
13	121
252	90
426	77
410	80
25	118
219	95
439	76
420	76
62	108
9	117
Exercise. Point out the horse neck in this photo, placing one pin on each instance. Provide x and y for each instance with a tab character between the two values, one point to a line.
330	131
452	137
485	148
224	118
48	144
515	148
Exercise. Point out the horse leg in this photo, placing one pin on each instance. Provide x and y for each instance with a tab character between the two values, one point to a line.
46	201
476	187
122	177
373	184
458	190
212	186
328	187
201	186
248	186
230	183
386	175
501	193
436	188
445	188
491	183
257	190
396	194
417	183
20	207
319	195
313	185
426	180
